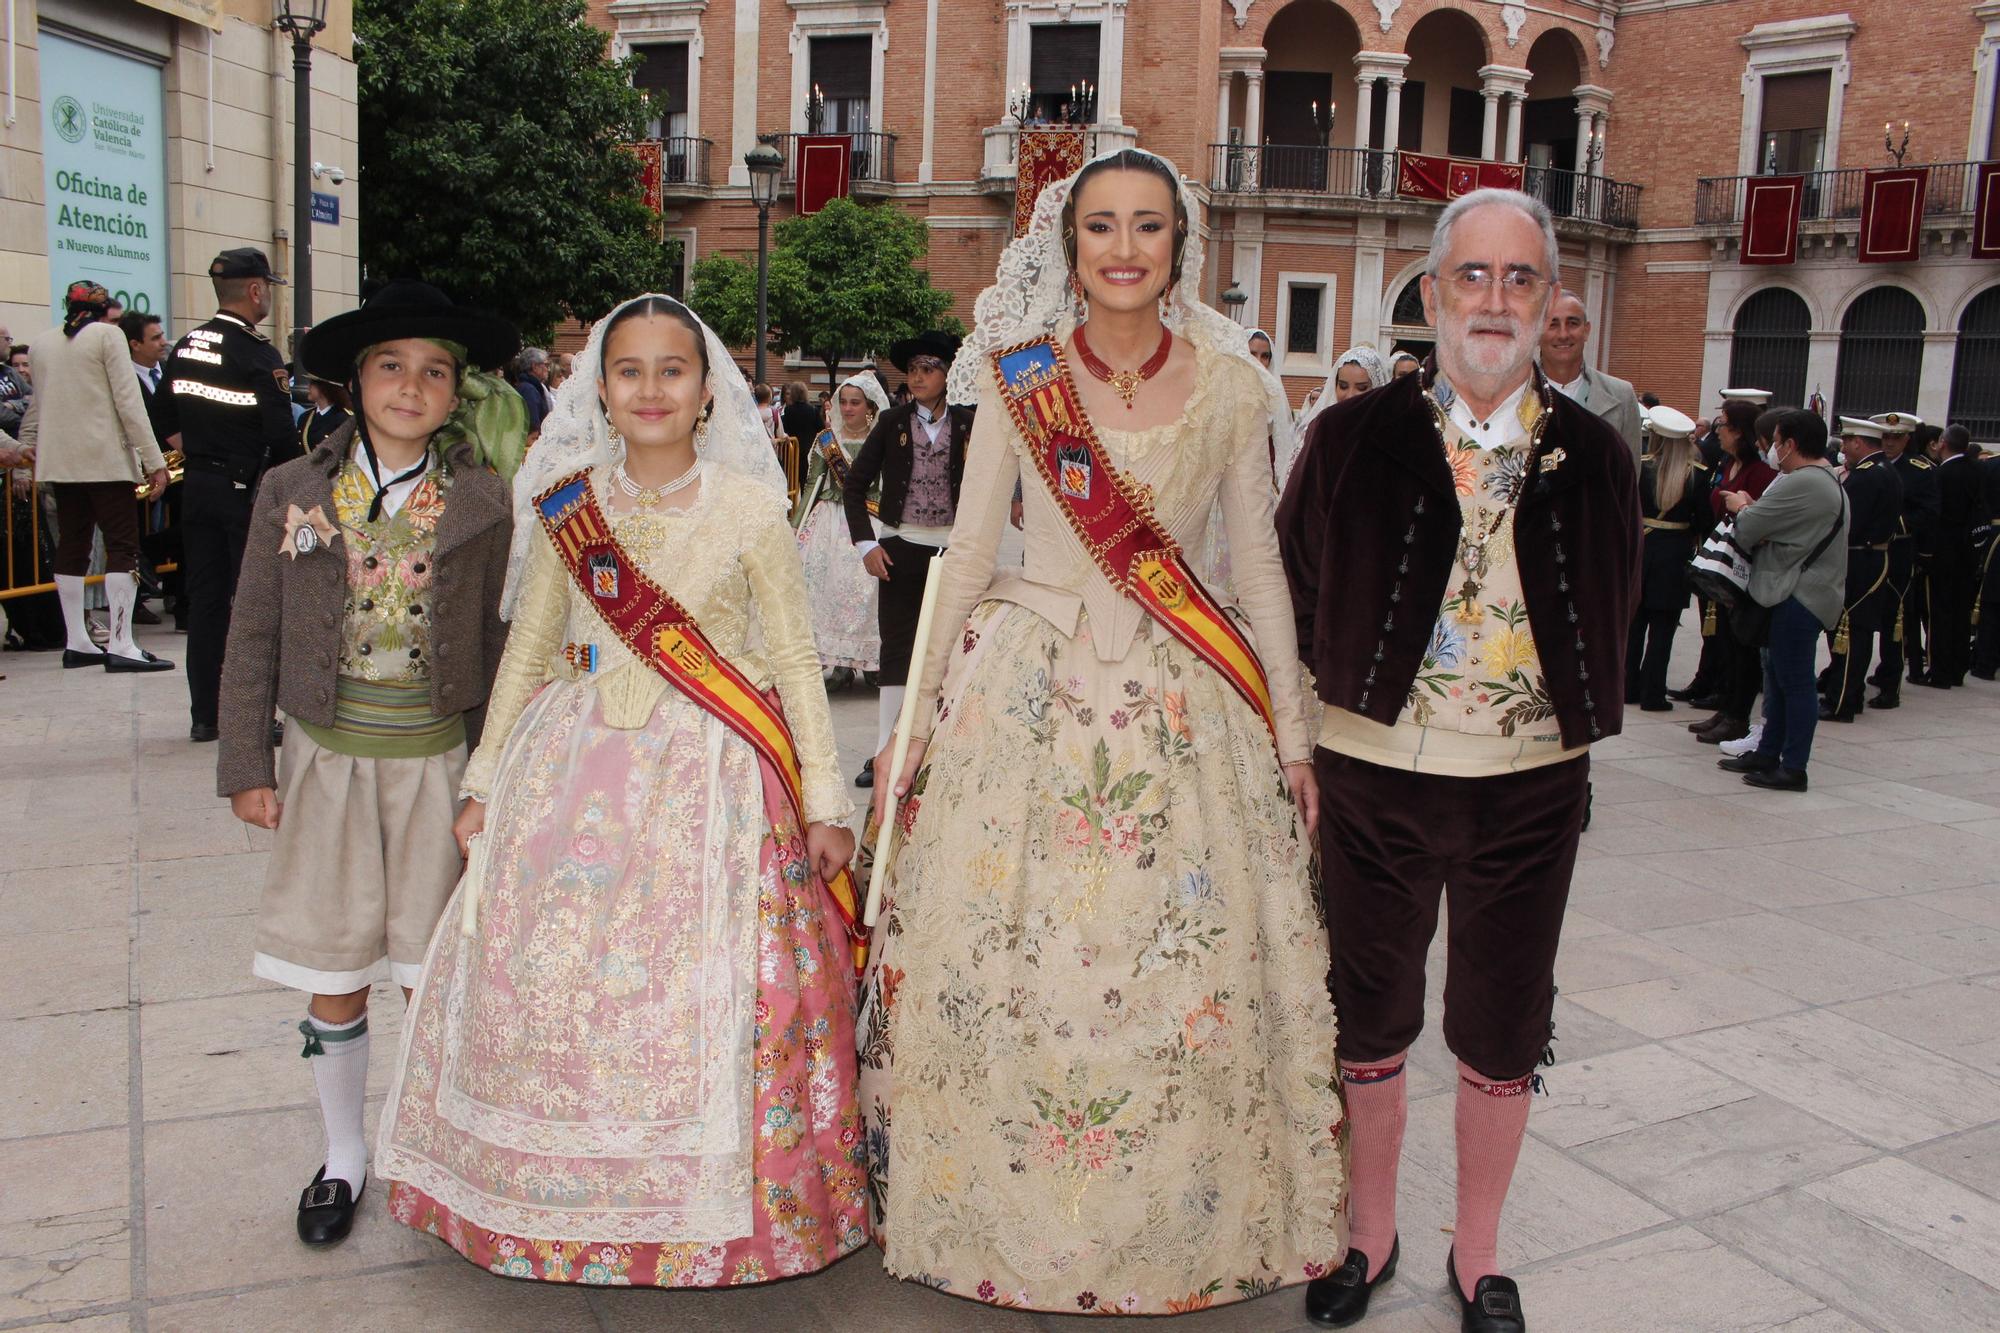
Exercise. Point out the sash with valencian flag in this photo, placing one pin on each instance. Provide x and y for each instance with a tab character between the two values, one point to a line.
1114	524
662	634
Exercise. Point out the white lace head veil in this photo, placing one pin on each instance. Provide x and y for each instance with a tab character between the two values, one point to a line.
1030	298
1372	365
869	386
576	435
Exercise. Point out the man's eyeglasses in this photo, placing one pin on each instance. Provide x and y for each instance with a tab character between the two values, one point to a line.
1517	284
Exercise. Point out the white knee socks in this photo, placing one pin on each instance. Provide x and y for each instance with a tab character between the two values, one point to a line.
339	1053
121	594
69	591
888	708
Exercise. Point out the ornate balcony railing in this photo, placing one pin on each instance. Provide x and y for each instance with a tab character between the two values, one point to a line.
1833	195
1362	173
871	161
1003	144
683	161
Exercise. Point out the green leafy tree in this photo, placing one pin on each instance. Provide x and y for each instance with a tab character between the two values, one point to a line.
489	158
846	281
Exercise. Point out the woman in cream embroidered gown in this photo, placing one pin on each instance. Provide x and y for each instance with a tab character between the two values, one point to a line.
1097	1045
841	590
639	1069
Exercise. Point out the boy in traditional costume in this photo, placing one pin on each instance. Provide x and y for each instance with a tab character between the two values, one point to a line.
630	1060
367	612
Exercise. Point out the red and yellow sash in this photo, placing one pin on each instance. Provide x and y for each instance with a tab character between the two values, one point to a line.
1114	522
661	633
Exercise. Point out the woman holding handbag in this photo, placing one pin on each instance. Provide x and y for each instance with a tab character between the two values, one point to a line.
1743	469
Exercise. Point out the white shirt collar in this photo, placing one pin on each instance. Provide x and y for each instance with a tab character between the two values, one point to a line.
1502	428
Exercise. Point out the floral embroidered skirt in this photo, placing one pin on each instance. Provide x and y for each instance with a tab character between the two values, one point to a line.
638	1069
1097	1046
845	627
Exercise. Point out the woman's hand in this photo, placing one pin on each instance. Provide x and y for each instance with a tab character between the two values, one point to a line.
911	763
829	847
471	821
1305	793
258	806
1735	501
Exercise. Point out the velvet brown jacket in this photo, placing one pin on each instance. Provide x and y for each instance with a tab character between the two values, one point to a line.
285	624
1369	529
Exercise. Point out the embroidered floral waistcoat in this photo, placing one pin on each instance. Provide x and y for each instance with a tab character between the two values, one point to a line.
386	620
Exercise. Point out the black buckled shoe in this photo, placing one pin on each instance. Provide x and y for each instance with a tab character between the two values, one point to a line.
73	659
1341	1297
866	777
1754	762
1495	1306
145	661
326	1210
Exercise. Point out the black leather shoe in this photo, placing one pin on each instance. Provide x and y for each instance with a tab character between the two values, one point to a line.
1341	1297
1885	700
1687	695
203	732
1656	706
1778	779
73	658
1712	702
145	661
326	1210
1832	715
1977	674
144	615
1495	1306
1753	762
866	777
1712	720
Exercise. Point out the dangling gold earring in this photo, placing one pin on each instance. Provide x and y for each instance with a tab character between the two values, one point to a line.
701	435
1081	306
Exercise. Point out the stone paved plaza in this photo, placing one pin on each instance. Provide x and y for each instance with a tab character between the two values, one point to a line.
1776	1104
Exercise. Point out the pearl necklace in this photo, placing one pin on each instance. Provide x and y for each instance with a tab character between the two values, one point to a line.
649	498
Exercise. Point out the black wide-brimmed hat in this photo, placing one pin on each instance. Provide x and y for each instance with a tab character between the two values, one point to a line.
404	309
943	346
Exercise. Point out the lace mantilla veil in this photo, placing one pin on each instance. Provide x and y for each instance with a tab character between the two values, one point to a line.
576	435
1030	298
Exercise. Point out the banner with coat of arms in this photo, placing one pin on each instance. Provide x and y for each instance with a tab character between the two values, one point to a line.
1043	158
1421	176
650	171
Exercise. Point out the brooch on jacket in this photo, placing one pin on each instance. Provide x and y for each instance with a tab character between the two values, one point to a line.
305	532
1553	459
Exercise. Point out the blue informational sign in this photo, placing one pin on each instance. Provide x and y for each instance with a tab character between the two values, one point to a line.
326	208
104	173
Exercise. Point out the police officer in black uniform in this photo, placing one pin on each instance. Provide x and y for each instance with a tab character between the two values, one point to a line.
1910	551
235	421
1986	597
1875	506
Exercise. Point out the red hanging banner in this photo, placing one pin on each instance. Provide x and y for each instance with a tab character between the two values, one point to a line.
648	153
1771	219
1042	158
1420	176
1892	215
823	167
1986	212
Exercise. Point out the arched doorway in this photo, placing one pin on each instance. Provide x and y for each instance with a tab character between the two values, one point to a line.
1768	346
1881	353
1975	376
1308	89
1443	111
1408	330
1548	120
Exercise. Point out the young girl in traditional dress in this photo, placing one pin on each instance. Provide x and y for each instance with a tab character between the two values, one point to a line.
840	587
1097	1047
631	1058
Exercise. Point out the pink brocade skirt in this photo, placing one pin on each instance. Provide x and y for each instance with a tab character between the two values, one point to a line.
640	1070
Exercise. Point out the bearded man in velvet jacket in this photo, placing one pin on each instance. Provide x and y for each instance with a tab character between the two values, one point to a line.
1463	549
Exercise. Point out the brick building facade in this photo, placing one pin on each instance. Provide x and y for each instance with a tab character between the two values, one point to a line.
1635	121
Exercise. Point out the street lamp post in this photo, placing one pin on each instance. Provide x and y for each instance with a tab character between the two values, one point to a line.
1234	299
765	167
301	18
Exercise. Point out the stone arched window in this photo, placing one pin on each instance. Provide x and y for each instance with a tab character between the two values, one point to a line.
1768	347
1975	376
1881	353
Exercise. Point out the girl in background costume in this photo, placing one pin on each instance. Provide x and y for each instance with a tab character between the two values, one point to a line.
840	588
631	1057
1097	1047
368	612
1359	369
